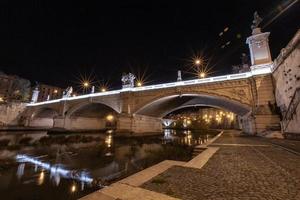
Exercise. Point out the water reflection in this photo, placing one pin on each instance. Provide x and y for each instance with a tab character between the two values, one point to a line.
185	137
71	166
56	171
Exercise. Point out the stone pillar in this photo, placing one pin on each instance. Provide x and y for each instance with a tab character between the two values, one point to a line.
179	78
138	125
259	47
35	95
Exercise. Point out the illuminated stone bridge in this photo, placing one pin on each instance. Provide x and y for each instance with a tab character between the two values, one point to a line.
140	109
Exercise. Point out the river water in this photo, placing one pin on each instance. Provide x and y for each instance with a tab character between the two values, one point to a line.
34	165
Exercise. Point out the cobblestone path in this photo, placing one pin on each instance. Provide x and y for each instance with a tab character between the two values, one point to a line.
243	168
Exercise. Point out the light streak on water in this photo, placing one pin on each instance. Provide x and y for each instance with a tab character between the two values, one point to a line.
55	170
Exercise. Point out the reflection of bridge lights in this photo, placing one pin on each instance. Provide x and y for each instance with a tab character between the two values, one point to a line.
73	188
55	170
41	178
108	140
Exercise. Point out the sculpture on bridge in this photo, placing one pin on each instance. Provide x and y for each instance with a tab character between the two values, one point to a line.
128	80
256	21
67	93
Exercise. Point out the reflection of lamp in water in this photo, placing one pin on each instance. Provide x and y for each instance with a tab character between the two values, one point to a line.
108	140
41	178
20	170
73	188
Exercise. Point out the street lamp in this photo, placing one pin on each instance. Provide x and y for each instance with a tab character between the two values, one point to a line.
103	89
86	84
139	83
197	61
109	117
202	75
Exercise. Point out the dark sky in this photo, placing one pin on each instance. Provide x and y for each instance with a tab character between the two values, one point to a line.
53	42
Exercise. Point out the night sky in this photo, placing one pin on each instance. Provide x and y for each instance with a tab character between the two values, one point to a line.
53	42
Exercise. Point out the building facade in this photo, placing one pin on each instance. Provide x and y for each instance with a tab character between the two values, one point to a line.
48	92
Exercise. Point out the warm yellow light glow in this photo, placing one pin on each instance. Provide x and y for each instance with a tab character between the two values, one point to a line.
41	178
139	83
188	122
55	91
1	99
86	84
103	89
73	188
108	140
109	117
197	61
202	75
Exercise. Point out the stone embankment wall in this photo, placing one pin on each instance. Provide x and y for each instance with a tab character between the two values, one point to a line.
286	76
10	113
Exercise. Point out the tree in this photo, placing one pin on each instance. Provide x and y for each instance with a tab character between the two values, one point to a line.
21	89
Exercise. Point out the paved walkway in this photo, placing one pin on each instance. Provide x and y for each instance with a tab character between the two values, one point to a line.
242	168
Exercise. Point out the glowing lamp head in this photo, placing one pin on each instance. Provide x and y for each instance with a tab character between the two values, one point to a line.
197	61
1	99
202	75
110	118
103	89
55	91
139	83
86	84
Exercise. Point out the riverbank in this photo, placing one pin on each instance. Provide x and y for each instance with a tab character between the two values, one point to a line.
233	166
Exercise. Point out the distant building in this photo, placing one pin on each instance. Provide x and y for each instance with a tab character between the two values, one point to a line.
214	117
13	88
48	92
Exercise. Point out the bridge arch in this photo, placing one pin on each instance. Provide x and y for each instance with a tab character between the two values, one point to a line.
162	105
43	117
90	116
90	110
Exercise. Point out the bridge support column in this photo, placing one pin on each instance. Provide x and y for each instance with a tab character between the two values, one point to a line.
138	125
79	123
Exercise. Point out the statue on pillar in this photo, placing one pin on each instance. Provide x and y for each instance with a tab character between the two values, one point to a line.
255	23
128	80
259	47
67	93
179	78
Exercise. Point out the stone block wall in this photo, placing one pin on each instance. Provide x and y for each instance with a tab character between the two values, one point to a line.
286	75
10	113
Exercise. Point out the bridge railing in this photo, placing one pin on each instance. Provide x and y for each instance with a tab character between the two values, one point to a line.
151	87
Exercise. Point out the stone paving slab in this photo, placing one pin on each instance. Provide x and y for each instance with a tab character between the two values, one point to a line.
200	160
127	192
146	174
255	171
98	195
